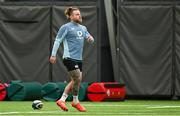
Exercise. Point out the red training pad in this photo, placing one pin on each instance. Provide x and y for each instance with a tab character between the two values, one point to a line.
2	92
106	91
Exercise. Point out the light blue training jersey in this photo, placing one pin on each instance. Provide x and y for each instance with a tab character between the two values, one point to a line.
72	35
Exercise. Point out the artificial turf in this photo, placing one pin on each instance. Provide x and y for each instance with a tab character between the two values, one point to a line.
105	108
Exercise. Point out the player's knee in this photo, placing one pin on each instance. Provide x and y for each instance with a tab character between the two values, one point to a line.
75	76
76	80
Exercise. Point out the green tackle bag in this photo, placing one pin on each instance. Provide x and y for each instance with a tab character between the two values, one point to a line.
24	91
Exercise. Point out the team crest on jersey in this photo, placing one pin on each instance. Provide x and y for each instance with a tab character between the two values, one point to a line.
79	33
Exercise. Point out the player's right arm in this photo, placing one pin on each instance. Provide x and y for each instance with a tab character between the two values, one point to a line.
59	38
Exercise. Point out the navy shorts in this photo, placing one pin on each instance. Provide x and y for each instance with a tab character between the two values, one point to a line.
72	64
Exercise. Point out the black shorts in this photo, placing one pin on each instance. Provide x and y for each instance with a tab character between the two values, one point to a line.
72	64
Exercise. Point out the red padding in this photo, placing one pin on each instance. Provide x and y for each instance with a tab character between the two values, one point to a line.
3	92
106	91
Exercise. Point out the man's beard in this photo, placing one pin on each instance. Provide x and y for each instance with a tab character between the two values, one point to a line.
78	21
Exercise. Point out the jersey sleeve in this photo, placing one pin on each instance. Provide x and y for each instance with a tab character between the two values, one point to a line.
86	33
59	38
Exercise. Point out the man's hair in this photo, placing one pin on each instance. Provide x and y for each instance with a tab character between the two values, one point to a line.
69	11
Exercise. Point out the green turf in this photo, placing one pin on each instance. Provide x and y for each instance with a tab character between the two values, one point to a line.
119	108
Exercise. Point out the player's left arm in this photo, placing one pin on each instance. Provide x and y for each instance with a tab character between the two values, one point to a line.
88	36
90	39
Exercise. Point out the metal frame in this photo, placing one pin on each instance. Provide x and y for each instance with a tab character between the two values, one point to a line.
112	39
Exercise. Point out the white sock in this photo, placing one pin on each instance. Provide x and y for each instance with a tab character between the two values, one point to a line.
75	99
64	97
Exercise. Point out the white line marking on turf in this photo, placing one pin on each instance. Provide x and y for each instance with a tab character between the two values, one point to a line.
58	112
110	105
164	107
123	105
38	112
9	113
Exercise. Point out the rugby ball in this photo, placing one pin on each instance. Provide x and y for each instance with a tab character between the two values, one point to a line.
37	105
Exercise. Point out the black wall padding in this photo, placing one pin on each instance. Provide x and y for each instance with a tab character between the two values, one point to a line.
177	50
145	42
24	43
27	33
90	63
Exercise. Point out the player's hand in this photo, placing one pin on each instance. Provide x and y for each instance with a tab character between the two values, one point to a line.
90	39
52	59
